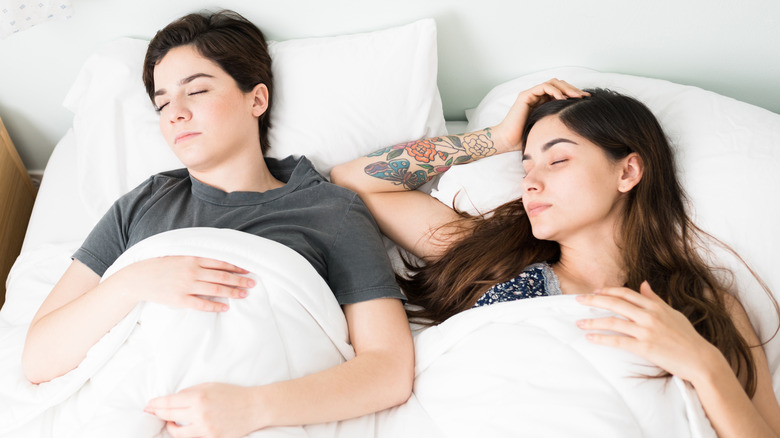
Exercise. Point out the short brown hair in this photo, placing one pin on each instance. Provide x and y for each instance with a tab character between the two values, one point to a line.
229	40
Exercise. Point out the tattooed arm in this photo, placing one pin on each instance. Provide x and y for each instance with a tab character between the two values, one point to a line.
386	179
410	165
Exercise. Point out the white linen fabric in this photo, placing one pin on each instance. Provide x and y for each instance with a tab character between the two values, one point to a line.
727	156
523	368
496	370
335	98
290	325
483	372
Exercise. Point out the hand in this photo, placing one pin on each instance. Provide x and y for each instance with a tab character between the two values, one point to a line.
183	281
206	410
651	329
510	130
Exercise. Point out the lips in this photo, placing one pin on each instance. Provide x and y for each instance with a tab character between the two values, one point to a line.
535	208
184	136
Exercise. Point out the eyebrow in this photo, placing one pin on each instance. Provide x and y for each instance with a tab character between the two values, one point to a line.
184	81
550	144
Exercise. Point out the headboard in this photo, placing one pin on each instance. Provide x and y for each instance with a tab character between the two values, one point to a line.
731	48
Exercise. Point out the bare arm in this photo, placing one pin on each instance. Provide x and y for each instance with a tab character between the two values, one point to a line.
665	337
731	412
386	179
80	309
380	376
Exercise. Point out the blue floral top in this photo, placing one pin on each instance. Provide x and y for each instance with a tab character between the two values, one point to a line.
537	280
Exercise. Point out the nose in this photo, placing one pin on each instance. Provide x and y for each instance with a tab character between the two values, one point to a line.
531	182
178	111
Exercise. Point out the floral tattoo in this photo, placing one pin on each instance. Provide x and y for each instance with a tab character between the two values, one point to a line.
429	157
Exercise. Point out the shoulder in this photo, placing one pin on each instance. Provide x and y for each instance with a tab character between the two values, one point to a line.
159	181
152	189
740	317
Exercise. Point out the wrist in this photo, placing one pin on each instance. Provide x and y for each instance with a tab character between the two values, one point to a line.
263	411
122	293
501	139
713	367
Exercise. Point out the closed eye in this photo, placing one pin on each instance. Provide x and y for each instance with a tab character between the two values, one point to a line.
160	108
197	92
559	161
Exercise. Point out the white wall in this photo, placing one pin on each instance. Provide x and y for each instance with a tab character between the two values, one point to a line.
729	47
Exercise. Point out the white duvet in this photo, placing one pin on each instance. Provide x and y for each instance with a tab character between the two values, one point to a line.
512	369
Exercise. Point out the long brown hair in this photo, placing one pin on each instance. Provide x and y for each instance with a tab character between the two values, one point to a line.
229	40
659	242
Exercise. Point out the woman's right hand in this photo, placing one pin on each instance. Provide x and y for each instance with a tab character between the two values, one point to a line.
182	281
509	132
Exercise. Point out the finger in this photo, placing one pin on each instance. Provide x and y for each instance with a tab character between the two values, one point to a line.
551	89
615	304
225	278
568	89
626	294
176	415
172	401
202	304
219	265
216	290
647	291
561	90
613	324
616	341
177	430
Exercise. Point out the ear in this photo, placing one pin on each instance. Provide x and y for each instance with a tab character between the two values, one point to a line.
631	172
259	100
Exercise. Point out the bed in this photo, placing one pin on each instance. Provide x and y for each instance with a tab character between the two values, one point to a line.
500	370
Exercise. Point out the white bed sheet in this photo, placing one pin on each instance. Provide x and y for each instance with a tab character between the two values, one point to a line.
450	398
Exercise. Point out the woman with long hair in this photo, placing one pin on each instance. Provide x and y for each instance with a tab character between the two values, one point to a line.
602	215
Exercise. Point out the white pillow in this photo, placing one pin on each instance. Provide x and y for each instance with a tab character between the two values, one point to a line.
727	153
336	98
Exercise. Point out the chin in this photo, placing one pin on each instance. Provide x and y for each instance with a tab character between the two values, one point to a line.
543	233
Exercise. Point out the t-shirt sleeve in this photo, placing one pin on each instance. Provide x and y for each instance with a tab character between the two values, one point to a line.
108	239
359	268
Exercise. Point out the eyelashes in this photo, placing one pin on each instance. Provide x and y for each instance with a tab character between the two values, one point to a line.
160	108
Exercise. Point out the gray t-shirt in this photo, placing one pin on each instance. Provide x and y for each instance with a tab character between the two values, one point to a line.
327	224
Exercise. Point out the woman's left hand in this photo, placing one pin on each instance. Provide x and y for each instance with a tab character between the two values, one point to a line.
651	329
206	410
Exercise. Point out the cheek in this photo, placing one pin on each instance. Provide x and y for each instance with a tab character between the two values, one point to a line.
165	130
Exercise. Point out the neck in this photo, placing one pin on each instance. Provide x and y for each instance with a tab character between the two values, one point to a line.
240	174
587	267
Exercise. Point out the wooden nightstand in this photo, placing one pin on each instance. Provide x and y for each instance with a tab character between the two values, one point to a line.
17	194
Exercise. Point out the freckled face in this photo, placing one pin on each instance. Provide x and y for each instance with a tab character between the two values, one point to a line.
204	117
571	186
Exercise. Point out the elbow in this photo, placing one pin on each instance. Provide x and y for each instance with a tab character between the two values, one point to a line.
340	175
403	383
32	370
404	391
37	368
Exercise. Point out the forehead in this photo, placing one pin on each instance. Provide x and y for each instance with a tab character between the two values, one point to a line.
546	130
181	62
